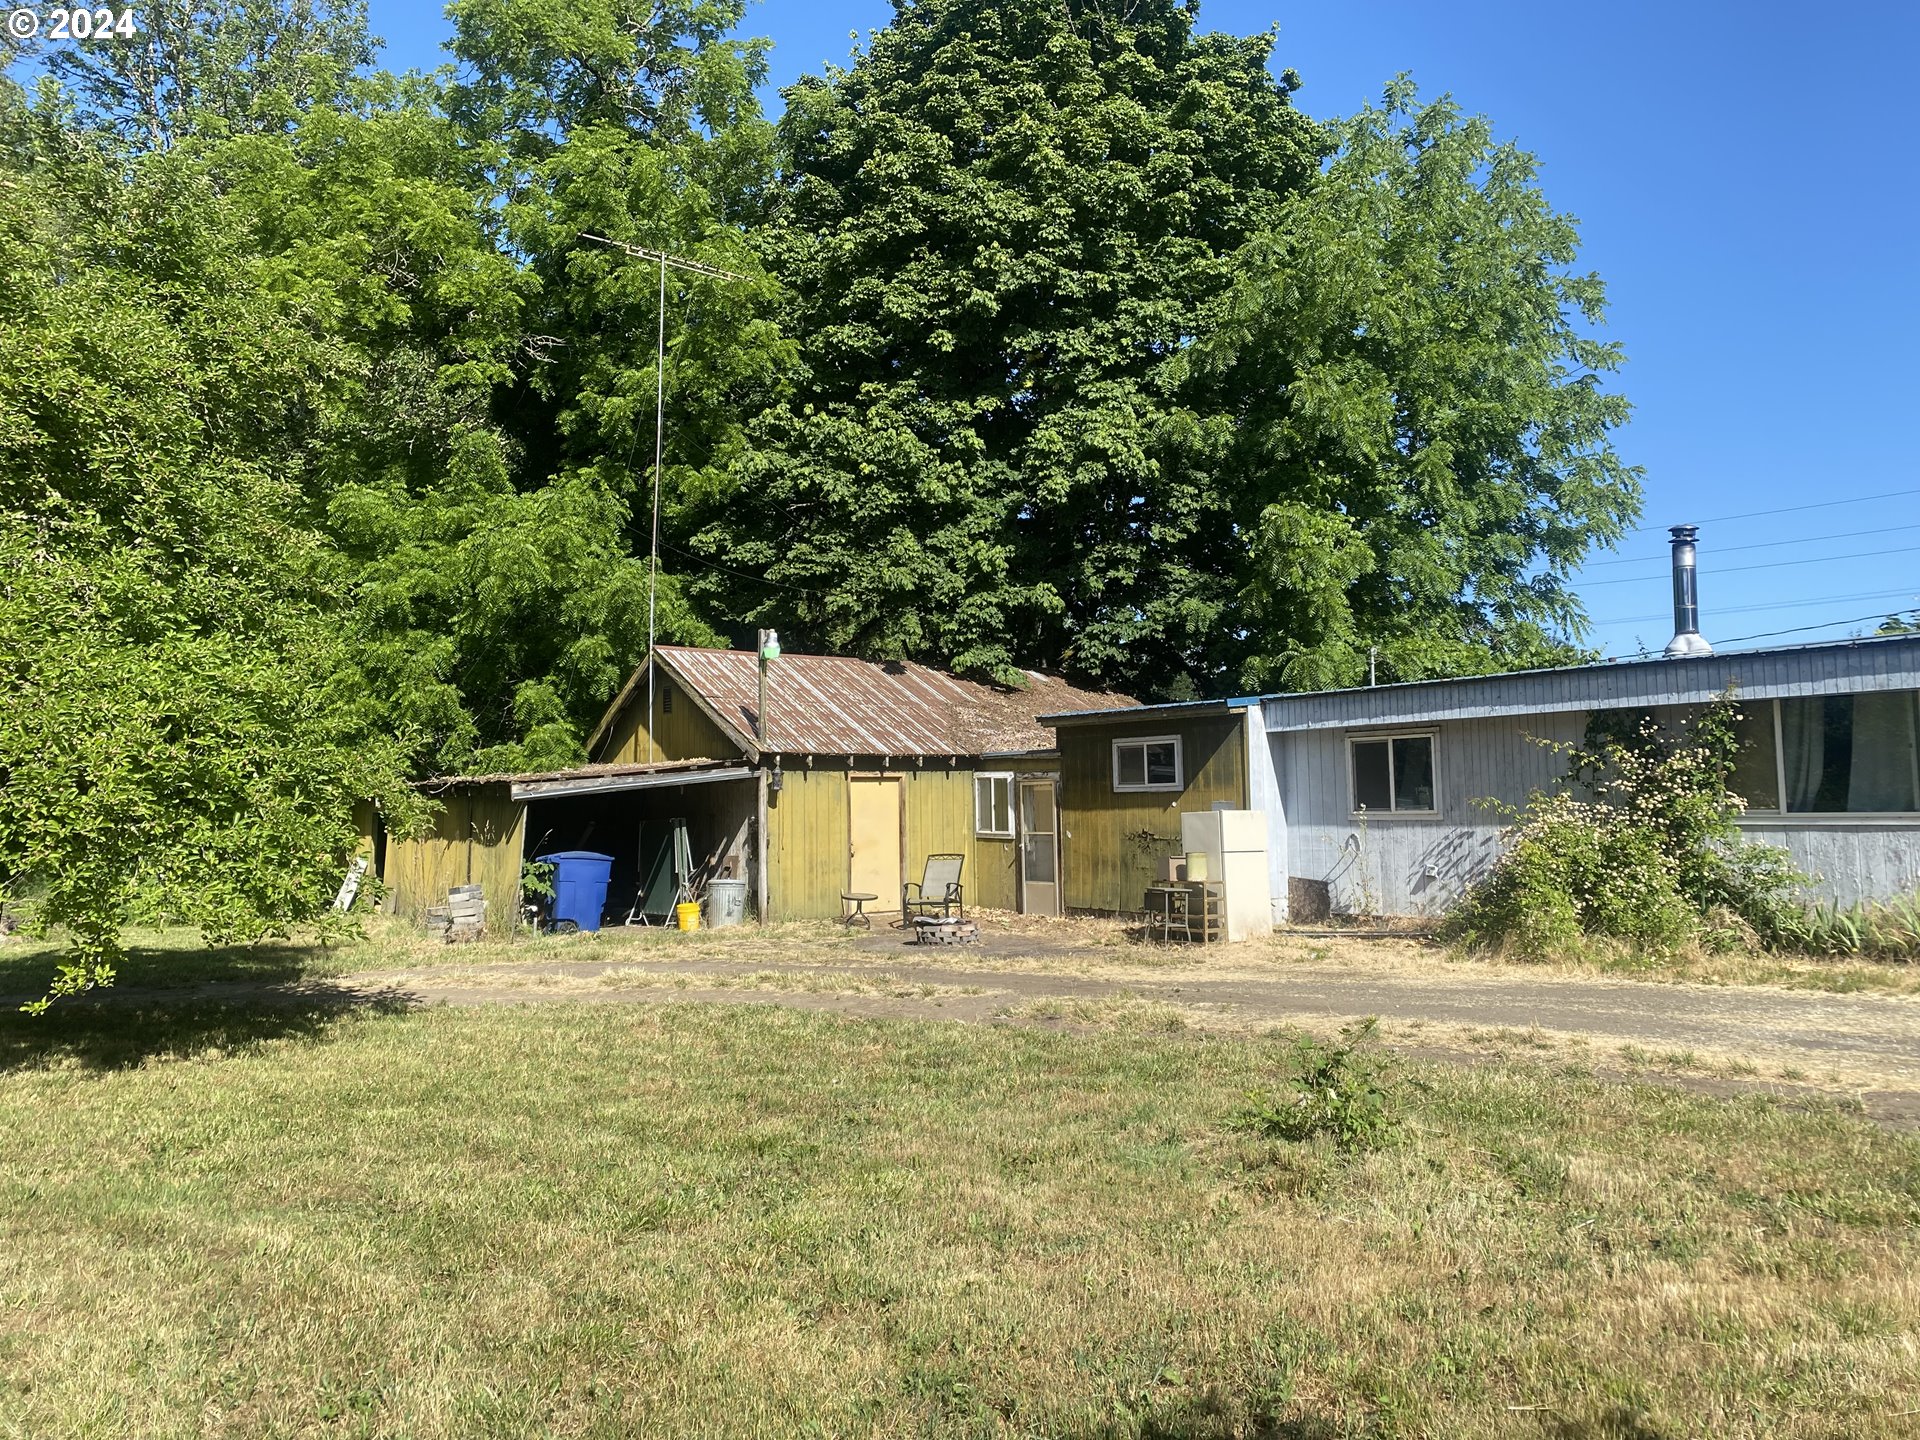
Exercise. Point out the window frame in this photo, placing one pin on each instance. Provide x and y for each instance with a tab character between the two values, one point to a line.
1004	777
1142	741
1780	814
1387	737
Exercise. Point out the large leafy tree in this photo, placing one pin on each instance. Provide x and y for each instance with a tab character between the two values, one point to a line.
174	739
225	67
1420	450
995	229
635	123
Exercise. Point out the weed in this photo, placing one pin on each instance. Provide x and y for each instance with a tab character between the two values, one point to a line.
1344	1090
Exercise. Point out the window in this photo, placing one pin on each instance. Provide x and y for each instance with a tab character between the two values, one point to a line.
1149	764
1830	755
993	806
666	700
1393	773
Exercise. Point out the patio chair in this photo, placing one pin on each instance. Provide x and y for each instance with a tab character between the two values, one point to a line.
936	891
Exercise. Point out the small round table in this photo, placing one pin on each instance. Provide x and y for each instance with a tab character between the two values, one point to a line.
858	915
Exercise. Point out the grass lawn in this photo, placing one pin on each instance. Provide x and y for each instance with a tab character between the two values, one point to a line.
583	1220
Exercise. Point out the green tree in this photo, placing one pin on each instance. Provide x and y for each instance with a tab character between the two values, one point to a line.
995	230
1908	624
219	67
174	739
1420	451
637	123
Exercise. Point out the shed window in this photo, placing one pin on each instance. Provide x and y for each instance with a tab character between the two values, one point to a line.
993	806
1393	773
1148	764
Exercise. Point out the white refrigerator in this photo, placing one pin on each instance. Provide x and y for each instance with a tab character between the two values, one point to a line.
1235	844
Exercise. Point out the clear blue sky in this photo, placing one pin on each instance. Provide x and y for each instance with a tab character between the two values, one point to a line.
1746	182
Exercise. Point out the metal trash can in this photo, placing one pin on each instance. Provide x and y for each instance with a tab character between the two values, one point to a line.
726	902
579	887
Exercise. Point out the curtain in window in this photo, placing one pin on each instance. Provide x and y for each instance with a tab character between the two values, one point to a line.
1803	744
1882	775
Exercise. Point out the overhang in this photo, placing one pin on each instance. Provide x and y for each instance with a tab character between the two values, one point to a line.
591	784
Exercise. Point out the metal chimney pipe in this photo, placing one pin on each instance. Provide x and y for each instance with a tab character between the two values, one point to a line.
1687	642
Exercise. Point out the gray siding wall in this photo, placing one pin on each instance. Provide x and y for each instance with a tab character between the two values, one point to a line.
1412	865
1852	859
1264	793
1419	865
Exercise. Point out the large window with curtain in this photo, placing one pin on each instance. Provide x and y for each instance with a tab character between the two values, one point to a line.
1831	754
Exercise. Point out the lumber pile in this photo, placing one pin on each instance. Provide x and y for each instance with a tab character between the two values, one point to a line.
463	917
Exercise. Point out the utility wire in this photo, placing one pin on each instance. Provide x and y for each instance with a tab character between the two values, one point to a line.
1783	510
702	560
1764	565
1772	605
1802	629
1756	545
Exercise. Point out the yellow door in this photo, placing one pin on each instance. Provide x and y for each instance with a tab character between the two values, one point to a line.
873	830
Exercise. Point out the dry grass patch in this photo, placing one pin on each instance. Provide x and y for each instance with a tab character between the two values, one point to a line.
606	1221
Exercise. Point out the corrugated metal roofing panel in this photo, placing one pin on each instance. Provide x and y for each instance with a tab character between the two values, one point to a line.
525	777
835	705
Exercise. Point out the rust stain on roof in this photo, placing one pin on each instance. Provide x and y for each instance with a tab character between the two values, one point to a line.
835	705
519	777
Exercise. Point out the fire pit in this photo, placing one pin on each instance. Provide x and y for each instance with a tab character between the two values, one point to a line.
944	930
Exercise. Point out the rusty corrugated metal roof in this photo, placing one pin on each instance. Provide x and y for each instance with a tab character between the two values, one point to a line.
834	705
440	782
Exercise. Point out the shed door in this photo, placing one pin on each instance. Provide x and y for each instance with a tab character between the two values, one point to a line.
873	835
1039	849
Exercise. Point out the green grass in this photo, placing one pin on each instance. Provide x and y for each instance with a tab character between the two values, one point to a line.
716	1220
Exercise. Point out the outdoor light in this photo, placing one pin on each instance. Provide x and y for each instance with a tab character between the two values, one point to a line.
769	644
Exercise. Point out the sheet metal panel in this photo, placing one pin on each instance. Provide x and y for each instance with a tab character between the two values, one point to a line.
835	705
1891	663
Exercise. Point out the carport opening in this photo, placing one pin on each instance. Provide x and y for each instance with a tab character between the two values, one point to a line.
635	827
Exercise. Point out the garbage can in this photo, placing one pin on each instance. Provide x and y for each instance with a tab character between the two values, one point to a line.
726	902
579	887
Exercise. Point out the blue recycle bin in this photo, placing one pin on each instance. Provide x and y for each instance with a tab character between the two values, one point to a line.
579	887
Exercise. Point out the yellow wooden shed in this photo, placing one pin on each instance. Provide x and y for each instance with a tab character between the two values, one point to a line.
856	773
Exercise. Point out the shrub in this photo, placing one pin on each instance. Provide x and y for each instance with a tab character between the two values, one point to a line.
1343	1090
1638	846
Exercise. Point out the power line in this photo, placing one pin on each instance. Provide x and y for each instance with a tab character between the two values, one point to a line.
1802	629
1774	605
1764	565
1783	510
1757	545
742	574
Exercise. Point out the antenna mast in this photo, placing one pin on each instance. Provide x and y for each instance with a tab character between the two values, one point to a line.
694	267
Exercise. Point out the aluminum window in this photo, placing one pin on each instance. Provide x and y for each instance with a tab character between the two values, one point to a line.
1153	762
1830	755
993	806
1393	774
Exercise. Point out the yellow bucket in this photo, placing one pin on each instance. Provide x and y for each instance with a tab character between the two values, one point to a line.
687	916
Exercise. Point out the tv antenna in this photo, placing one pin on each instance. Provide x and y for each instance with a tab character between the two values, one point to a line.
693	267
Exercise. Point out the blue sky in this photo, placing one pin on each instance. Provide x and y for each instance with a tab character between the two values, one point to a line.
1746	184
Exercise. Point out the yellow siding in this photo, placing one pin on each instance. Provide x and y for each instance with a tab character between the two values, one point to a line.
807	840
807	844
1111	842
681	733
475	840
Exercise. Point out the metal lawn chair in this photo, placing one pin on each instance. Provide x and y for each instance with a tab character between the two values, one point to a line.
937	891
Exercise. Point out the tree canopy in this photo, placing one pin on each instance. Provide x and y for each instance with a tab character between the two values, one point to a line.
1041	335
